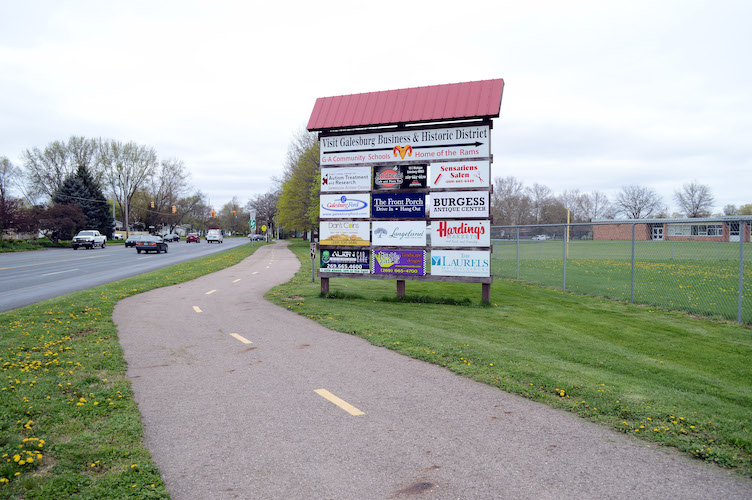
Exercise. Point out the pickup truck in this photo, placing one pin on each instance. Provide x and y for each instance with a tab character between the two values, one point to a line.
89	239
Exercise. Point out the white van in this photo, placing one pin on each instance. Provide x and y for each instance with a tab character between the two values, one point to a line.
214	236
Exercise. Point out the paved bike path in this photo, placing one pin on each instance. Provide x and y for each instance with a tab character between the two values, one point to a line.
225	418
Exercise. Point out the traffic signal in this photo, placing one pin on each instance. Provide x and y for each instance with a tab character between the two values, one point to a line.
174	209
213	213
233	213
152	203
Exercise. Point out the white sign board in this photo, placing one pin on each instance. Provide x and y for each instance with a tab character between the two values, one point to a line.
455	143
461	204
475	263
461	233
338	180
399	233
460	174
346	206
341	233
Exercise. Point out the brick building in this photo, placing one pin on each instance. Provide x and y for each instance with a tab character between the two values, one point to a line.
729	229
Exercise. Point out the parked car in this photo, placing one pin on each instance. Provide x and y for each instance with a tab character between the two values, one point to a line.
541	237
257	237
89	239
214	236
132	239
117	236
151	244
171	237
192	238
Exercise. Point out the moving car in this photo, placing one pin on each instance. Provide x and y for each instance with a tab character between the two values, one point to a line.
89	239
192	237
132	239
257	237
151	244
171	237
214	236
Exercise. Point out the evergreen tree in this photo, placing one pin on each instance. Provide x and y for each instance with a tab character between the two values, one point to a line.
81	189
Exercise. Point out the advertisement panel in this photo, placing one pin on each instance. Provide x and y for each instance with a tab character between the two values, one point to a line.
409	205
345	206
456	143
399	262
410	233
338	180
400	177
462	204
476	263
339	233
338	260
461	174
461	233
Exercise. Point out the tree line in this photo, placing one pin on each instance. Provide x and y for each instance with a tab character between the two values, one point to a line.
512	202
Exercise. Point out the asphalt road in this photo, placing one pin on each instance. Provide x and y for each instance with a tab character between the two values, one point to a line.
29	277
239	400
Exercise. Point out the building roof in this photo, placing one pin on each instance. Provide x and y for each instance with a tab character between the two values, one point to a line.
454	101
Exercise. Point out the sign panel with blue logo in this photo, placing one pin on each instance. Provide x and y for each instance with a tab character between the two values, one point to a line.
475	263
345	206
408	205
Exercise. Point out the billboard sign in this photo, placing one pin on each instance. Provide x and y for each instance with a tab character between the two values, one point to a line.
345	206
399	262
461	233
476	263
408	205
338	260
461	174
460	204
400	177
339	233
410	233
433	144
338	180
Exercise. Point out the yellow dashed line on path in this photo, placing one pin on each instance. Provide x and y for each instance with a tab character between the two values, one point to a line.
210	292
254	272
236	280
197	309
241	338
337	401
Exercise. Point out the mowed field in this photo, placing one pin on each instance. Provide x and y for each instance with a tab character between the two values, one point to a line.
696	277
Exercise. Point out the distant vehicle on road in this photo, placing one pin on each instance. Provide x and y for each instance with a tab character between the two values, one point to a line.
192	238
541	237
214	236
171	237
151	244
89	239
117	236
132	239
256	237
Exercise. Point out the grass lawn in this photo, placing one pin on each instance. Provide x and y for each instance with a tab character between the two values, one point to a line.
662	376
69	427
700	278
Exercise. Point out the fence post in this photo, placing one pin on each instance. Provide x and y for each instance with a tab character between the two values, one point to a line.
518	254
631	295
564	284
741	271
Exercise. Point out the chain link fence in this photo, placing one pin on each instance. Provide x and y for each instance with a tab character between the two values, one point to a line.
699	266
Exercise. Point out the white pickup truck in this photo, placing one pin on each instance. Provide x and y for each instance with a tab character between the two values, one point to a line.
89	239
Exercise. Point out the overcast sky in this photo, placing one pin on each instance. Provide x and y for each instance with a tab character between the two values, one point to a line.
597	95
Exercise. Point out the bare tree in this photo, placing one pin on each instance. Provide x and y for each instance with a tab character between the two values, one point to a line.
128	166
694	199
571	199
47	169
540	196
265	206
638	202
594	205
510	203
9	175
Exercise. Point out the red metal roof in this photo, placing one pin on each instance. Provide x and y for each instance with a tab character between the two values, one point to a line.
454	101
